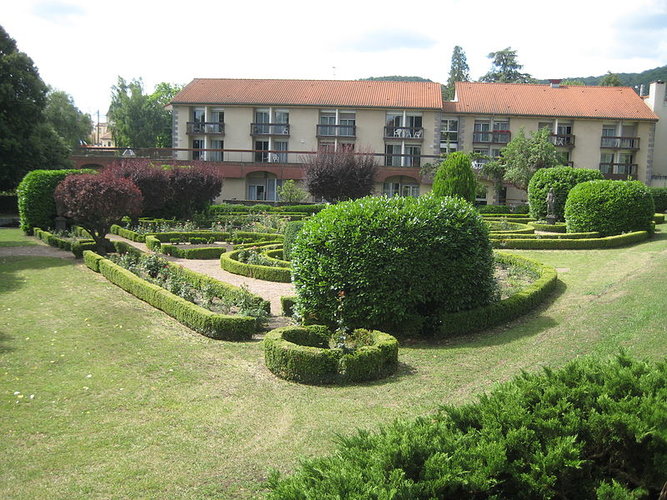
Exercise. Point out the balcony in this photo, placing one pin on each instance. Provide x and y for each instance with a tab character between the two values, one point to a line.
205	128
492	137
619	171
346	131
620	143
267	129
562	140
404	133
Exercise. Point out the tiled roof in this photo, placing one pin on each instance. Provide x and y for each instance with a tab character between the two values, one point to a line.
512	99
358	93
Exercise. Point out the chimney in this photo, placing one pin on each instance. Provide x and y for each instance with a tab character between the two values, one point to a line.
555	83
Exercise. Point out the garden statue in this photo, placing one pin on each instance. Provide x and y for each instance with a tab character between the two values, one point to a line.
551	200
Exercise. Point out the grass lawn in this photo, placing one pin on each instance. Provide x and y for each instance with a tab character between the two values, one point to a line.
14	237
104	397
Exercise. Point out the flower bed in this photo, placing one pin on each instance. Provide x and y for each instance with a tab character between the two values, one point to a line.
305	354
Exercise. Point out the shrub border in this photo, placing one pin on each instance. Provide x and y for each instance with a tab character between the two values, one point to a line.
318	365
509	309
216	326
76	247
571	244
558	227
229	263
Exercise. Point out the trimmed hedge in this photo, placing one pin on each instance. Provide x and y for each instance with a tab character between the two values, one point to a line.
396	261
77	247
659	195
562	180
287	305
128	234
302	354
291	231
609	207
592	430
184	252
495	227
659	218
37	207
494	209
216	326
555	236
572	244
229	263
558	227
506	310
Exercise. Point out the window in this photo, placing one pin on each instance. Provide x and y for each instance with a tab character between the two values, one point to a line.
392	158
216	155
262	186
481	131
449	135
262	120
549	125
502	135
279	157
414	156
198	144
261	151
491	131
328	124
347	124
198	115
400	186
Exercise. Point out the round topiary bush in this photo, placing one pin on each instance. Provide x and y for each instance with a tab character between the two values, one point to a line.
309	354
455	177
562	180
396	263
609	207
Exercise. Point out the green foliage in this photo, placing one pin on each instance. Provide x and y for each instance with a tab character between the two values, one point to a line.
609	207
291	193
569	241
610	80
229	262
399	261
522	157
592	429
561	180
505	68
507	226
76	246
27	141
37	206
494	209
454	177
659	198
291	231
558	227
71	125
303	354
459	71
340	175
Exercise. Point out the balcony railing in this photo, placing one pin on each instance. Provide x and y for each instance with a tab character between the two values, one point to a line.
267	129
619	142
336	130
562	140
205	128
404	133
492	137
619	171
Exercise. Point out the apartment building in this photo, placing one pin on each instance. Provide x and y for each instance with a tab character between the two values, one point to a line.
610	129
261	131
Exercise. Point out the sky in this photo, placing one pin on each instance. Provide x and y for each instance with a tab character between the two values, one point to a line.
82	47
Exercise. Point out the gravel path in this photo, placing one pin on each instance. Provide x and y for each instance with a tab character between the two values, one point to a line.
268	290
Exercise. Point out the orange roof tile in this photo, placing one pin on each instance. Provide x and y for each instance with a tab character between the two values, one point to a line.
358	93
521	99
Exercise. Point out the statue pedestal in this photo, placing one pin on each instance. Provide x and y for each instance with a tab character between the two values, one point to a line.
551	219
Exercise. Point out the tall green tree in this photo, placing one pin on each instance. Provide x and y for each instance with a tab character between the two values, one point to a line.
137	119
610	80
522	157
73	126
505	68
27	141
455	177
459	71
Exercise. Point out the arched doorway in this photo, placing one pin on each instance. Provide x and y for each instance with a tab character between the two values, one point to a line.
262	186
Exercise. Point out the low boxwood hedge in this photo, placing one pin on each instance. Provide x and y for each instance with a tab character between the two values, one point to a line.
216	326
505	310
504	226
287	305
128	234
77	247
558	227
540	236
572	244
267	273
659	195
302	354
659	218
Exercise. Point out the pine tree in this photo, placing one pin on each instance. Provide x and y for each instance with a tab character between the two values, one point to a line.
458	72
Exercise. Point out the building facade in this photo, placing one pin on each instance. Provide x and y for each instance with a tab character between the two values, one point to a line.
262	131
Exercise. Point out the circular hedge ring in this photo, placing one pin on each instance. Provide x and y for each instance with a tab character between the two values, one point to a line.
302	354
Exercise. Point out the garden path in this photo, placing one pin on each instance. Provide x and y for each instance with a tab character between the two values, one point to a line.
268	290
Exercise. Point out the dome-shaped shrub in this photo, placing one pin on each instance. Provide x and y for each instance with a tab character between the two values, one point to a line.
392	263
609	207
455	177
561	179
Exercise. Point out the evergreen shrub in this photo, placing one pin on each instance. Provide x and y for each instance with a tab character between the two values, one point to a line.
455	177
494	209
659	198
562	180
590	429
290	233
609	207
397	261
37	206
